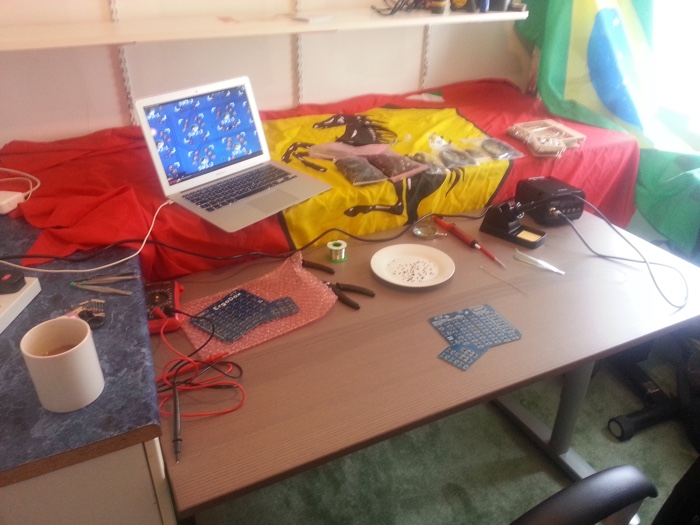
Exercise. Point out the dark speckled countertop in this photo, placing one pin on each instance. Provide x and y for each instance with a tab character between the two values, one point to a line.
34	441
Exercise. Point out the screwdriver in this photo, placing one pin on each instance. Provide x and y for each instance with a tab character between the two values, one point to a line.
467	239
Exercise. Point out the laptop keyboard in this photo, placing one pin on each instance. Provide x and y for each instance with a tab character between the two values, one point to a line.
234	189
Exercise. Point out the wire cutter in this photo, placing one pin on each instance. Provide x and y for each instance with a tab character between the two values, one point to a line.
339	288
317	266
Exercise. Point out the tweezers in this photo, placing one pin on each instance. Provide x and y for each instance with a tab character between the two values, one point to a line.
539	263
95	284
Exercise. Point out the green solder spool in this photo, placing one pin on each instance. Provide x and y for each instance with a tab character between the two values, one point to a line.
336	251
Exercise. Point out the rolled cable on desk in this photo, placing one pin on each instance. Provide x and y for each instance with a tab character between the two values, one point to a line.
336	251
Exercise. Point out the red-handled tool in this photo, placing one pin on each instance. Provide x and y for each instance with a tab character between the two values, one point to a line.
466	239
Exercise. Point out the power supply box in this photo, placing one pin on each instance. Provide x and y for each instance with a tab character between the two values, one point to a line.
551	194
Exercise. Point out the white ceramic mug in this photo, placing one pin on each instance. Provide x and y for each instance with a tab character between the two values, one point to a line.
63	364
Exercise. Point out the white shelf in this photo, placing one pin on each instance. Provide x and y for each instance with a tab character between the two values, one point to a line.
62	35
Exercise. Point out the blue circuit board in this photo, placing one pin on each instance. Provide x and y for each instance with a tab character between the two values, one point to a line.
471	332
239	312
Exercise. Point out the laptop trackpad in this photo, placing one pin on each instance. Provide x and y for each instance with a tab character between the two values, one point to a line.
274	201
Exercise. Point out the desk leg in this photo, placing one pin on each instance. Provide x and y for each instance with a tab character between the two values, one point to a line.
557	441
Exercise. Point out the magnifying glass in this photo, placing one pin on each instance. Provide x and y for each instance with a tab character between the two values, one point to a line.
426	230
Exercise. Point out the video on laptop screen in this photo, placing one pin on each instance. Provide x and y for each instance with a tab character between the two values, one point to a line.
198	135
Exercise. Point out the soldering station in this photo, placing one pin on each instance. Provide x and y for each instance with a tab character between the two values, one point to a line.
548	201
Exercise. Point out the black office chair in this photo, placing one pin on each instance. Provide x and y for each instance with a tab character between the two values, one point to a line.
658	405
613	496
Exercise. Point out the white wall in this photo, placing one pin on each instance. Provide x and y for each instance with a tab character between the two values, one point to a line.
59	93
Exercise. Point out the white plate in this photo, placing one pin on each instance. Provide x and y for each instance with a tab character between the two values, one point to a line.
412	265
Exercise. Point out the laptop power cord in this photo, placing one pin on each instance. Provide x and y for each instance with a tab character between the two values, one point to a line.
9	201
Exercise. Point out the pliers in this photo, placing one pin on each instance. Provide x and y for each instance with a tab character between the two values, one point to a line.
339	288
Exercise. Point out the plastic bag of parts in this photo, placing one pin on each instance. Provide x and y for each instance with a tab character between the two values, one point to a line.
395	166
359	171
435	167
449	155
546	138
339	150
486	149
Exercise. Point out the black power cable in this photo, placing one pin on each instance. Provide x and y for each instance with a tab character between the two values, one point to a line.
642	259
282	255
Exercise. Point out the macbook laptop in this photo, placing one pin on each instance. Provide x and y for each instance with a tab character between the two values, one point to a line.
211	156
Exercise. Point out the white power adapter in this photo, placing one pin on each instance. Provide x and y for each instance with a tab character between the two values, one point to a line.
9	201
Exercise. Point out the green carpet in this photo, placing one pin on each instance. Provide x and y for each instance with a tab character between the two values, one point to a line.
471	468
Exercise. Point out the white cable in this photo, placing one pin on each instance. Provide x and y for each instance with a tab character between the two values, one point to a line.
23	176
22	179
143	244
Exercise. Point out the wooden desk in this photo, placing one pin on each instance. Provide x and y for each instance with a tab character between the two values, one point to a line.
356	377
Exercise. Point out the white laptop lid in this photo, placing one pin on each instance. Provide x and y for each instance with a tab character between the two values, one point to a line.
199	135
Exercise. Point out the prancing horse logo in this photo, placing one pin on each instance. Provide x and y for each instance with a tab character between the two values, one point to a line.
361	130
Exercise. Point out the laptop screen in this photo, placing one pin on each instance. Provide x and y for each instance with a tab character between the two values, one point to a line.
197	135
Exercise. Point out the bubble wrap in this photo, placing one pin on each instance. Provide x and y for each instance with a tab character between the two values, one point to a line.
309	293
